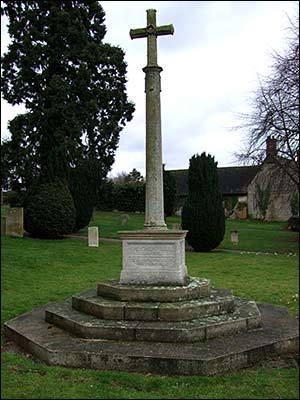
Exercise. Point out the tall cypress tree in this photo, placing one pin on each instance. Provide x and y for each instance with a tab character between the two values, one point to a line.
202	213
72	84
169	192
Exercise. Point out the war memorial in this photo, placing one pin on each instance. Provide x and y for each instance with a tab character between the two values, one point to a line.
155	318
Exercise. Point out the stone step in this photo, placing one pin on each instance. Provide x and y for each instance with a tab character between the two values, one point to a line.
194	289
245	316
105	308
279	335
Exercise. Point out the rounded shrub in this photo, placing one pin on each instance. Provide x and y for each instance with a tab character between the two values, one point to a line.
203	213
49	211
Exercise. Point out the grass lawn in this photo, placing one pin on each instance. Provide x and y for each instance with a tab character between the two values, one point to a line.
35	272
253	235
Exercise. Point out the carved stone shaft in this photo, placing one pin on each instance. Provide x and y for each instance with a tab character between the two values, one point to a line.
154	207
154	210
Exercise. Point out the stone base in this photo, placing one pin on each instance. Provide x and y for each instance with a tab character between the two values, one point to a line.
153	257
279	335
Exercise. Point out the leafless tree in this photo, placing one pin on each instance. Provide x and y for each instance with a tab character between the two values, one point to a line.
275	111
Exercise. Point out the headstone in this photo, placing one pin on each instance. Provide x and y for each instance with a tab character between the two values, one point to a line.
123	220
93	236
3	227
14	222
234	237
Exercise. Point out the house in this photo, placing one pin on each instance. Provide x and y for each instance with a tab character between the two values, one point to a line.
258	192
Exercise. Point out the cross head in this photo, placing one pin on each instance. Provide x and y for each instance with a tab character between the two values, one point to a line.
151	32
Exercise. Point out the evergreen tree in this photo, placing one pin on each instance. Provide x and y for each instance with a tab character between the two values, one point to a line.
169	192
202	213
72	84
49	211
83	183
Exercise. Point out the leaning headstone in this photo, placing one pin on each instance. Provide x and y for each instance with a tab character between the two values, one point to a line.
3	227
14	222
234	237
123	220
93	236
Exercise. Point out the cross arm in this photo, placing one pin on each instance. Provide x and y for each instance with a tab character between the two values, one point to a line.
138	33
151	30
164	30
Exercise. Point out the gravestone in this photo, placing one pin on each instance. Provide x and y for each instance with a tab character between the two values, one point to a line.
234	237
123	220
154	255
14	222
93	236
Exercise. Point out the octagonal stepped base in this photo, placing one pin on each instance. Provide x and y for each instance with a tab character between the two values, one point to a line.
278	335
219	302
244	316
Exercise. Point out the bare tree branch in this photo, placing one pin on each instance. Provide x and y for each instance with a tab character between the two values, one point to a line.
275	111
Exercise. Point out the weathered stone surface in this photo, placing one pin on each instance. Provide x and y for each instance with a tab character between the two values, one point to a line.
93	236
277	187
14	222
123	219
105	308
154	206
153	257
279	335
99	307
202	327
194	289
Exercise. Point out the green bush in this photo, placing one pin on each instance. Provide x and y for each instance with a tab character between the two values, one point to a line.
202	213
129	197
9	196
105	197
14	198
123	197
169	193
49	210
82	185
293	223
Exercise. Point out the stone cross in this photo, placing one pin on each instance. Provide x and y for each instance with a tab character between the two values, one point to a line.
154	207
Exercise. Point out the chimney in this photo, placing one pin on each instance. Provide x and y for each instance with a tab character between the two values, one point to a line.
271	146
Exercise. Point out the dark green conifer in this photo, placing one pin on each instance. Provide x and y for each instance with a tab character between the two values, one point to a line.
202	213
73	87
169	193
72	84
49	211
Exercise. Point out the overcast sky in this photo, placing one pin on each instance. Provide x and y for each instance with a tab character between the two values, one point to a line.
210	68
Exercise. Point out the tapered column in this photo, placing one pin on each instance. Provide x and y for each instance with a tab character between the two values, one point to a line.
154	207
